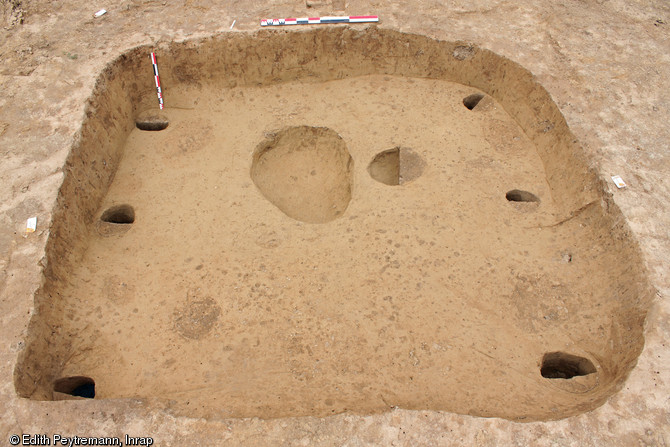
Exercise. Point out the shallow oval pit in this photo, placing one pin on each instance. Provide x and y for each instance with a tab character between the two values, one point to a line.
436	295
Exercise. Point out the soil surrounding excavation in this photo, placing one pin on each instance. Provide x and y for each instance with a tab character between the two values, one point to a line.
351	243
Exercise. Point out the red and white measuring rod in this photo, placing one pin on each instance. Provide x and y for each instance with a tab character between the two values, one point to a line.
318	20
158	81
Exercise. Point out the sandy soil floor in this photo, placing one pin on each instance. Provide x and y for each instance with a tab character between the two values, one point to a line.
439	293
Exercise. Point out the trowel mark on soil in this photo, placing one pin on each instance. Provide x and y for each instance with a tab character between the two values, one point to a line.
268	240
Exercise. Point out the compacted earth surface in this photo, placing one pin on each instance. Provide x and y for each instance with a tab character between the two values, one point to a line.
318	288
341	259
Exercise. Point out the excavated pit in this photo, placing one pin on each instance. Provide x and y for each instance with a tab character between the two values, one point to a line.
241	254
306	172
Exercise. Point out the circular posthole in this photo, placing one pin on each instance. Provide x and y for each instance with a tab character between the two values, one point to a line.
119	214
151	121
569	373
306	172
396	166
74	387
517	195
559	365
116	220
471	101
385	167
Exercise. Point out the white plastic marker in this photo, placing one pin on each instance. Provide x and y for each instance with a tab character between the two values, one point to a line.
319	20
100	13
618	181
158	81
231	26
31	225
